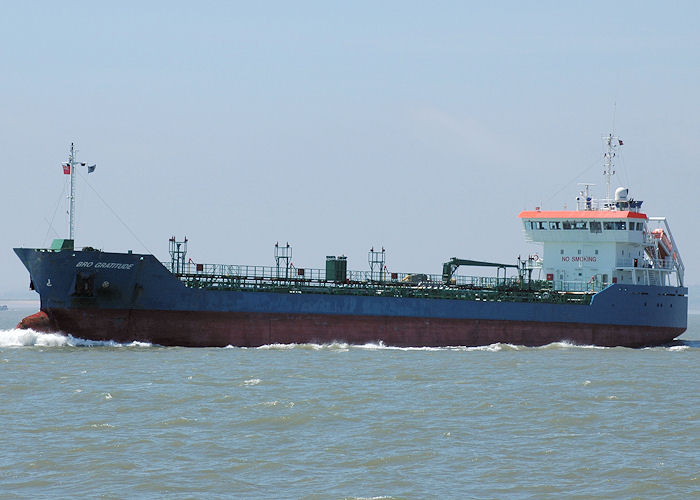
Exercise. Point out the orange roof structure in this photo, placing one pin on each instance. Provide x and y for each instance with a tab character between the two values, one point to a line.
581	214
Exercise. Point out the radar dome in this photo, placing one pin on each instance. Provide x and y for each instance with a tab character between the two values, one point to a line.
621	194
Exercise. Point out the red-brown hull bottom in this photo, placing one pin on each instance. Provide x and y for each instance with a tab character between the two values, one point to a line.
39	322
220	329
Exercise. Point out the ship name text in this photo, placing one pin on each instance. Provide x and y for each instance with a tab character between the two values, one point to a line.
104	265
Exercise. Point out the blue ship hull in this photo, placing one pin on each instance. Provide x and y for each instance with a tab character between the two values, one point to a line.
134	297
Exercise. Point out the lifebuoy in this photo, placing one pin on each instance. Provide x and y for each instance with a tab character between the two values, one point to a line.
535	257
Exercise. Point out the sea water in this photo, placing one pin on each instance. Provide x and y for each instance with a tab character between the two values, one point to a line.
102	419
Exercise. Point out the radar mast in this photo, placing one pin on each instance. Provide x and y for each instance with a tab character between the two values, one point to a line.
612	143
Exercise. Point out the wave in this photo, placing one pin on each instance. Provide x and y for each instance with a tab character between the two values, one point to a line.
332	346
372	346
565	344
487	348
31	338
497	347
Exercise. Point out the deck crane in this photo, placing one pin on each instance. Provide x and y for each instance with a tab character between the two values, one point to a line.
450	267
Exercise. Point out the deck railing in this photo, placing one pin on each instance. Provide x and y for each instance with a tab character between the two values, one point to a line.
309	280
579	286
656	264
311	276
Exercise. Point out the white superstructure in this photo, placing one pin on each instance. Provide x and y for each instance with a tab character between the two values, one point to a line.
604	241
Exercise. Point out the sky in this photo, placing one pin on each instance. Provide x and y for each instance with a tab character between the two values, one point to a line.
422	127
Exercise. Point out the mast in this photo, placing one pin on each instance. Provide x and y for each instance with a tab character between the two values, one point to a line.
71	209
71	164
612	142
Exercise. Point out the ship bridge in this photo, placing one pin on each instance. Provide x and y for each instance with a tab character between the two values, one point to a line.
604	243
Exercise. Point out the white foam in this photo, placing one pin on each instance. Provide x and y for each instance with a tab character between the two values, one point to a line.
31	338
370	498
566	344
332	346
376	346
487	348
278	346
494	347
102	426
497	347
136	343
340	346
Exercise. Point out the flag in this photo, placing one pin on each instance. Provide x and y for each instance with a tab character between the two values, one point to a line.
91	168
66	168
620	141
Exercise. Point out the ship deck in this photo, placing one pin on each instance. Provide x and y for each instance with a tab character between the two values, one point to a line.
365	283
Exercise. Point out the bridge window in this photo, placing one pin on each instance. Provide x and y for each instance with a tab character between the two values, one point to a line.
608	226
620	225
569	224
596	227
554	225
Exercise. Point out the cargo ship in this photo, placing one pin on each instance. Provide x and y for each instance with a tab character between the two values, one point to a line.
607	275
